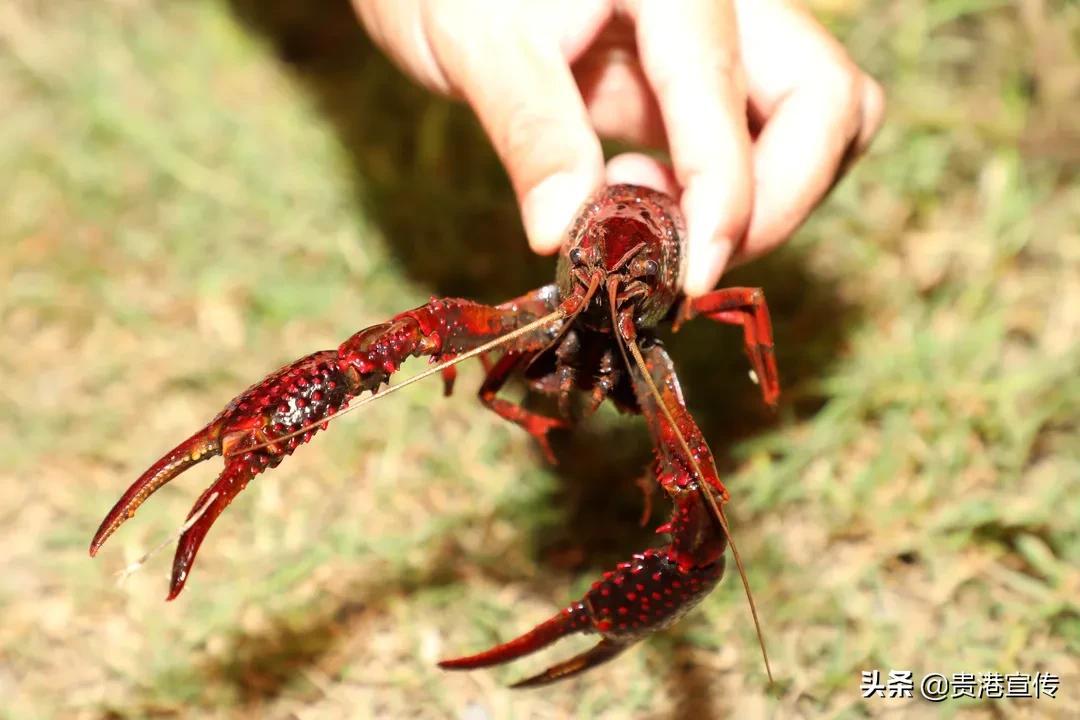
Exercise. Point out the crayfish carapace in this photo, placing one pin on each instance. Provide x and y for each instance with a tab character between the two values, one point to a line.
590	332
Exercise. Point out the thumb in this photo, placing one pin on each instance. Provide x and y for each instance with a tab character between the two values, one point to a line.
526	98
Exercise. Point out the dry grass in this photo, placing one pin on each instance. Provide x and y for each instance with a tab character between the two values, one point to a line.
199	192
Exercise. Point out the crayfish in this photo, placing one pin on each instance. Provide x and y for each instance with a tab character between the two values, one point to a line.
590	332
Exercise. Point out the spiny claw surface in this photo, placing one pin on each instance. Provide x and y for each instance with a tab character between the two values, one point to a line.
307	391
269	420
639	597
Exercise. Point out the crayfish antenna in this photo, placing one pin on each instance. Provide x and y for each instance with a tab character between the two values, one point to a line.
722	519
203	445
703	488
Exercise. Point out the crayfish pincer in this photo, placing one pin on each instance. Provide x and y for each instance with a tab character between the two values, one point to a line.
590	332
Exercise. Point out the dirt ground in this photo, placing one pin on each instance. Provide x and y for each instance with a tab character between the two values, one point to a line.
196	193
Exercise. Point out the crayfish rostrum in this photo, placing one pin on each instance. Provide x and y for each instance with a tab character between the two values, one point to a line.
590	332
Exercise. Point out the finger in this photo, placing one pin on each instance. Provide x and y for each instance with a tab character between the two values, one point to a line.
620	102
873	113
639	169
691	59
819	110
529	105
797	155
397	26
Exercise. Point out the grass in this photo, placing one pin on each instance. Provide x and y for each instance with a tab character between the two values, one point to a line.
197	193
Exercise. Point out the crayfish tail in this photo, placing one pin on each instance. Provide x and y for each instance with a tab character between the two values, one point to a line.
201	446
575	618
207	508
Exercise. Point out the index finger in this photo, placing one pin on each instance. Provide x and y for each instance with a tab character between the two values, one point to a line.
690	53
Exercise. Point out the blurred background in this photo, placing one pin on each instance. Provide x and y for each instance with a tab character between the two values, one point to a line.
196	193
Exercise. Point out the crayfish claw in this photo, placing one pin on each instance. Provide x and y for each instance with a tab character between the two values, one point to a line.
201	446
598	654
637	598
206	510
255	432
575	618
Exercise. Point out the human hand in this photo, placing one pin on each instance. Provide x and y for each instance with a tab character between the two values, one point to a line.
759	107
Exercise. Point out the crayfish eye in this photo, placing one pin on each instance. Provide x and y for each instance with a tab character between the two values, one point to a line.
652	268
576	256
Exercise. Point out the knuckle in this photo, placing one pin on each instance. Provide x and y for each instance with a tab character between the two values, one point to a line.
845	85
724	177
740	194
725	64
873	102
718	67
535	145
841	85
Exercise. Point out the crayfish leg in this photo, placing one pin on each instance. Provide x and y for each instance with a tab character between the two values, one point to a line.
668	437
534	423
745	307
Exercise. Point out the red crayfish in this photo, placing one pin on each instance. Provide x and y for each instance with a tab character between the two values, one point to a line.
589	332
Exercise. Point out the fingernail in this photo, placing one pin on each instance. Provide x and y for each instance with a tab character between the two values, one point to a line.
549	208
705	265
